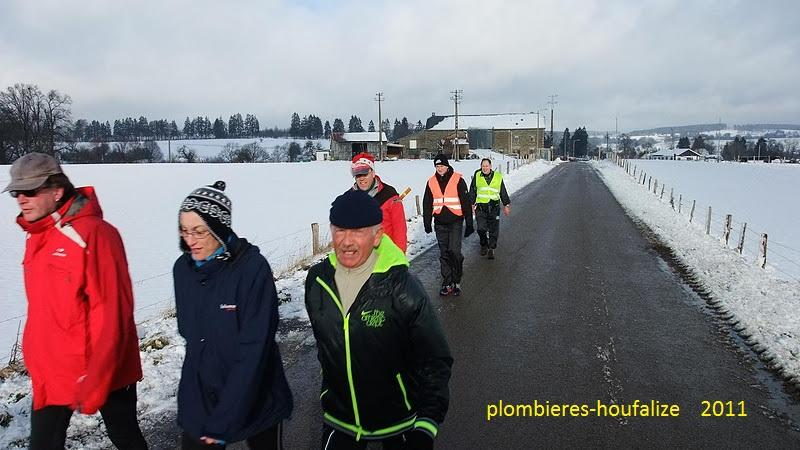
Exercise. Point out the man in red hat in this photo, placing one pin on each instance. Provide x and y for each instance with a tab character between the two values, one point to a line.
394	216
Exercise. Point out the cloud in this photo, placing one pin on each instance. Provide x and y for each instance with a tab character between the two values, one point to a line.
649	63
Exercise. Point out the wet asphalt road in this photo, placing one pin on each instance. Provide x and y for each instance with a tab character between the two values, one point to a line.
579	308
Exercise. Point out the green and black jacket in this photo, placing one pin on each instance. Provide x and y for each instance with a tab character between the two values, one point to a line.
385	362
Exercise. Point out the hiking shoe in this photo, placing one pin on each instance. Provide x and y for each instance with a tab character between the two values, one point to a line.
484	249
456	290
491	253
446	290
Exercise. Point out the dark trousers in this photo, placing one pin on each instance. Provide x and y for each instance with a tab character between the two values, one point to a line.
487	216
336	440
49	424
269	439
448	236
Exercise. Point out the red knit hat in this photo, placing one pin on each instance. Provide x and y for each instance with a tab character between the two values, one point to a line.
362	164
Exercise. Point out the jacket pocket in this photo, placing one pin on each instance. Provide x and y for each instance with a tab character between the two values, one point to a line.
209	375
68	309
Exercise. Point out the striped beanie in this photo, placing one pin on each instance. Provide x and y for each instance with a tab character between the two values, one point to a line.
214	207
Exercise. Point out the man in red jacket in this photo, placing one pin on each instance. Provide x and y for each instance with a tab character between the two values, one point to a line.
80	345
394	216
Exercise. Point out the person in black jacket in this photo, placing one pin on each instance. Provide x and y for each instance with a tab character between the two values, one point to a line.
487	191
447	200
232	385
385	360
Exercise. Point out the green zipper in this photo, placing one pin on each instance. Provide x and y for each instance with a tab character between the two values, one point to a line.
346	319
403	390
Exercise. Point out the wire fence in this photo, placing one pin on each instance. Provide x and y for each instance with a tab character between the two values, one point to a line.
741	237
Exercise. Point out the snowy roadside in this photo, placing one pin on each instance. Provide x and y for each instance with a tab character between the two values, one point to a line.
764	305
163	349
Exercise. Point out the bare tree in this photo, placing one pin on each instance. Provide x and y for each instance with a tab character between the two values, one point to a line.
32	121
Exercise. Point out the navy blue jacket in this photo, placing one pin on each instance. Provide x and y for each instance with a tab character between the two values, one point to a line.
232	383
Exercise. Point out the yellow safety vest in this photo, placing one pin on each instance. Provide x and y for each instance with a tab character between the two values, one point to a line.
488	192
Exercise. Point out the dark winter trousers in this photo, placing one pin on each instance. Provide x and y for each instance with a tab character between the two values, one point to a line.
336	440
49	424
269	439
487	215
448	236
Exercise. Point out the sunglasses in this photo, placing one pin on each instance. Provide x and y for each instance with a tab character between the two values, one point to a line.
29	192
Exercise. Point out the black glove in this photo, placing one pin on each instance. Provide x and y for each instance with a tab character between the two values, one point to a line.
428	228
469	230
418	440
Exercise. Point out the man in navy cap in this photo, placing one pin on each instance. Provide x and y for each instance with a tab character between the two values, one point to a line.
385	360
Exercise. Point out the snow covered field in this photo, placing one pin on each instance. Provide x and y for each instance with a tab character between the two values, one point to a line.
765	196
207	148
142	201
764	302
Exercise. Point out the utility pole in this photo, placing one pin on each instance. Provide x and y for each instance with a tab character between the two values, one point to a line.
379	99
598	152
552	103
456	98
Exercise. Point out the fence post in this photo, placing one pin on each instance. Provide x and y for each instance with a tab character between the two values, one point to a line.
727	232
671	197
419	210
508	166
315	238
649	179
708	221
740	248
691	214
680	202
15	349
762	253
662	191
655	188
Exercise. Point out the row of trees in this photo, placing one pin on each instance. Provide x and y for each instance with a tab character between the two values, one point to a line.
576	144
130	129
150	152
311	127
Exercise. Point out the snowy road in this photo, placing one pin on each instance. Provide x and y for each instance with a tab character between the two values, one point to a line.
580	309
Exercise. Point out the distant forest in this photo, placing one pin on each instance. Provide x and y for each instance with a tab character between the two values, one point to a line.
32	120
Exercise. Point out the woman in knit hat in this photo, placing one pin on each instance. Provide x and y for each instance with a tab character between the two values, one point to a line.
232	386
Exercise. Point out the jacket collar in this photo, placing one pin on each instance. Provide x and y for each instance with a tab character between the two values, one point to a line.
83	204
389	255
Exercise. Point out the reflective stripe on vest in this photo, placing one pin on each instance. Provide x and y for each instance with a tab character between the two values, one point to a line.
447	198
488	192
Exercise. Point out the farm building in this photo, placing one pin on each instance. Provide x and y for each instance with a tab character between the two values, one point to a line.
346	145
503	133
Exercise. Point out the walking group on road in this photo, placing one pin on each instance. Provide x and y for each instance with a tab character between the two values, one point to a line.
385	359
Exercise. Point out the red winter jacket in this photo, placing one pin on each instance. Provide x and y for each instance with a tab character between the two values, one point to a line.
394	216
80	339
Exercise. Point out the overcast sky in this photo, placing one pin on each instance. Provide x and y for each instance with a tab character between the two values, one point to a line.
649	63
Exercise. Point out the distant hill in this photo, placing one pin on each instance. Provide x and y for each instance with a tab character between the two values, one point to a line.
693	130
766	127
681	129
